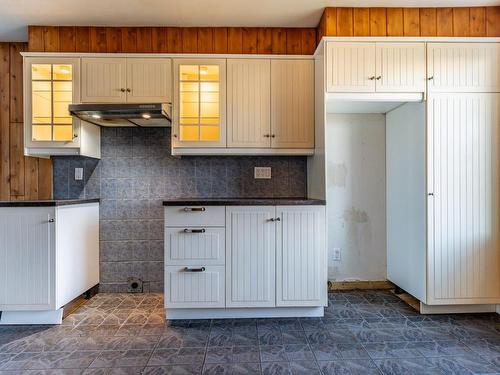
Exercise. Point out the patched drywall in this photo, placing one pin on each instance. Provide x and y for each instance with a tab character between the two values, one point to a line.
356	214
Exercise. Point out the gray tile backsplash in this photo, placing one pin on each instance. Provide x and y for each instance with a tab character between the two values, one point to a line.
137	172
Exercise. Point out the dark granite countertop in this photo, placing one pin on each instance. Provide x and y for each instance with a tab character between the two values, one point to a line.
243	202
46	202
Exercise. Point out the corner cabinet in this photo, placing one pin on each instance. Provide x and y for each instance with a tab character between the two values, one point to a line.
50	85
200	103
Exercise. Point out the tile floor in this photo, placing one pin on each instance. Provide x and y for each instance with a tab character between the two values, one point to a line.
363	332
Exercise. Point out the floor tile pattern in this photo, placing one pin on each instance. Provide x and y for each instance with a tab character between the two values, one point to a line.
363	332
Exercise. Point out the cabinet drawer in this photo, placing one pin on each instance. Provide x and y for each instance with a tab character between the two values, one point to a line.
210	216
188	289
200	246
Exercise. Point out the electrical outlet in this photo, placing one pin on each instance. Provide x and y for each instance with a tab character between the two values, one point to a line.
78	174
336	253
262	172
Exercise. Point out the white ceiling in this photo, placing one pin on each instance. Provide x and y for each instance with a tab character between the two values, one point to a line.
15	15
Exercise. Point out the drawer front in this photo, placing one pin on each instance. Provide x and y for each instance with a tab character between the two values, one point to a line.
209	216
194	246
186	289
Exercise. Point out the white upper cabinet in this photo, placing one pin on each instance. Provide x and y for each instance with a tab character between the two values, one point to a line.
292	104
350	67
463	67
132	80
250	256
248	103
104	80
400	67
149	80
375	67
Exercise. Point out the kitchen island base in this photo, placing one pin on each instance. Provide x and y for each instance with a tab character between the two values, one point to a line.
246	313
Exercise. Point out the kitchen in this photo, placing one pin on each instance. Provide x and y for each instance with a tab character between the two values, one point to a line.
230	213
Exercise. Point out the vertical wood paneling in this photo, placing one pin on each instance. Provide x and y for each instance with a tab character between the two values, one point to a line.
51	38
220	40
345	22
174	39
205	40
144	39
113	39
16	160
98	39
265	41
82	39
477	22
461	22
16	81
129	39
249	40
411	21
378	22
308	41
234	40
395	24
4	121
428	22
444	21
31	178
44	178
159	40
35	39
293	42
361	22
330	21
493	21
67	39
279	41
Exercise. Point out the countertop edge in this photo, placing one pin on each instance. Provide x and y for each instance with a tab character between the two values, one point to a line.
245	202
48	202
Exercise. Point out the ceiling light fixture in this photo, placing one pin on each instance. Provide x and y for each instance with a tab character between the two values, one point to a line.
147	116
96	116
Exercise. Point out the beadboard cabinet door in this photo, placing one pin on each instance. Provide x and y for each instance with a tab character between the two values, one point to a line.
27	247
250	256
463	67
292	104
463	199
248	103
400	67
300	256
149	80
350	67
104	80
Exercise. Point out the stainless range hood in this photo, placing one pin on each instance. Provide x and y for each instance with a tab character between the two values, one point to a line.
120	115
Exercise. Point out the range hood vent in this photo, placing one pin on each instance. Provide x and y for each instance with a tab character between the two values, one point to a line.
120	115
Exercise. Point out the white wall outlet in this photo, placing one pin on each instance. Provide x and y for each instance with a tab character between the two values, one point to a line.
262	172
336	253
78	174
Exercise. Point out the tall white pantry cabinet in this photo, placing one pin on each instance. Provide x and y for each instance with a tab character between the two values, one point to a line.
443	182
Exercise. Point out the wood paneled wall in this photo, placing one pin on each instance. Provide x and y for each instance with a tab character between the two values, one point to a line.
456	22
20	177
261	40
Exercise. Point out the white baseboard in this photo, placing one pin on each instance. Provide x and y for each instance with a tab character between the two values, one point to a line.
31	317
271	312
456	309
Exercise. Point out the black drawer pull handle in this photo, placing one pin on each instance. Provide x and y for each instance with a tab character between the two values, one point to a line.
187	269
195	209
194	230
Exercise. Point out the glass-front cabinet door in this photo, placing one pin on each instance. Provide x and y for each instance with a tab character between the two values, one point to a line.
200	98
51	85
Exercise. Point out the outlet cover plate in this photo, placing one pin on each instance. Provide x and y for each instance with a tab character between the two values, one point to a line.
78	174
336	253
262	172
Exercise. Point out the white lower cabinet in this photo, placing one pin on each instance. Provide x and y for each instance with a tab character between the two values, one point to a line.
263	261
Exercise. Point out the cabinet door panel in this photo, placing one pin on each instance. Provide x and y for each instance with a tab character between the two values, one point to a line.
185	289
400	67
463	202
149	80
292	104
350	67
301	256
463	67
27	272
104	80
248	103
250	257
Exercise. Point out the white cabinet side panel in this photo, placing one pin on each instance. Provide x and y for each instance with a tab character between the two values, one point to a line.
26	258
463	153
406	198
350	67
250	256
248	103
300	259
400	67
77	250
463	67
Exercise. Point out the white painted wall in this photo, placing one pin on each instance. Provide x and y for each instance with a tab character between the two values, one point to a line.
356	213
